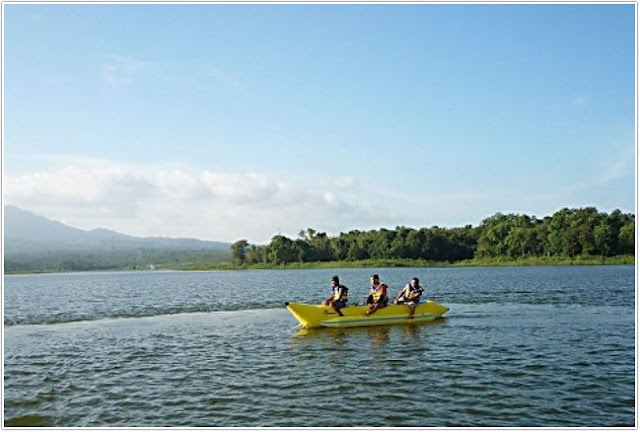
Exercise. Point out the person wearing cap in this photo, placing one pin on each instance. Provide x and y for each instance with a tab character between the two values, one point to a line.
410	295
377	295
338	298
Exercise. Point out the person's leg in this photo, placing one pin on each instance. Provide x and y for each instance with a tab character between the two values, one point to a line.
412	309
372	309
337	306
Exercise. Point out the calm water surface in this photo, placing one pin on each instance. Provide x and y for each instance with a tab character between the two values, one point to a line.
526	346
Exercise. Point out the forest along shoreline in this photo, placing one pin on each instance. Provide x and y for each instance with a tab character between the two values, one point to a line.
582	260
582	236
568	237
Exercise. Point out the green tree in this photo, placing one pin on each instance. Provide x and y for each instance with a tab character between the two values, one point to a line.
399	245
627	238
522	240
584	223
568	232
283	250
618	221
256	255
604	238
381	243
492	241
239	251
438	244
542	236
414	243
340	247
558	229
320	246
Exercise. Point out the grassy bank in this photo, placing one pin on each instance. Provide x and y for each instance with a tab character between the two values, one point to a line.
369	263
386	263
544	260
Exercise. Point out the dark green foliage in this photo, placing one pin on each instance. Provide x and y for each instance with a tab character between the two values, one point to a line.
626	238
239	251
283	250
568	233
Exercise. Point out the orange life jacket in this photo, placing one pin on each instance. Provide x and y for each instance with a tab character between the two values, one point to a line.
379	292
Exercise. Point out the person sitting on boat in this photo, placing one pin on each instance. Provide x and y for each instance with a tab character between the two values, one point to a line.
338	298
410	295
377	295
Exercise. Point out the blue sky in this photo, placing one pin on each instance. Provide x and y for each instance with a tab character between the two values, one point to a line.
223	122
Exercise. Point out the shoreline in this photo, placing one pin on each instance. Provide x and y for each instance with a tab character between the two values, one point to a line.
389	263
374	263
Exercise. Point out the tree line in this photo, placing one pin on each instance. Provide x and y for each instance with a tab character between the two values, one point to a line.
567	233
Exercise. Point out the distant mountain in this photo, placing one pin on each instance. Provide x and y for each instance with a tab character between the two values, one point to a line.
25	232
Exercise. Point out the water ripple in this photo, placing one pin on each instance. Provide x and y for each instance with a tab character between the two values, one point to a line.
492	363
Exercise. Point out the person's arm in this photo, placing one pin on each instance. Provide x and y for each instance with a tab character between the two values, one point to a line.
327	301
417	295
399	294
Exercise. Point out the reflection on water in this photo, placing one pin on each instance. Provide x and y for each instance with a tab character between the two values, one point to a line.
307	332
374	331
411	332
379	336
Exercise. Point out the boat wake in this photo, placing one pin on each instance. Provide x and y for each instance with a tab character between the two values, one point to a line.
134	313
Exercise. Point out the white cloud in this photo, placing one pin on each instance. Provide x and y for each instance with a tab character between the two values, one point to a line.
120	71
330	199
177	201
345	182
75	185
176	184
236	187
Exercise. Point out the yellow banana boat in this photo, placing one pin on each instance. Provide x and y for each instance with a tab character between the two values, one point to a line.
314	316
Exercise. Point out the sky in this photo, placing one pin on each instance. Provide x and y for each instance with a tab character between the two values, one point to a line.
244	121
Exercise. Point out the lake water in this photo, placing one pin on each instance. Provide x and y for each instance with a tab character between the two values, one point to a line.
521	346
